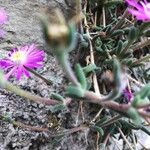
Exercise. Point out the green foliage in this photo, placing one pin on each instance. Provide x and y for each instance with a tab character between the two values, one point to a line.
147	33
117	33
130	125
90	68
102	146
119	47
57	108
73	91
6	117
57	96
141	97
133	34
117	74
109	3
144	26
113	49
98	129
133	114
101	121
81	76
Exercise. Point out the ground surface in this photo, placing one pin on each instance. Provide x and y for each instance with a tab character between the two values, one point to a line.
23	27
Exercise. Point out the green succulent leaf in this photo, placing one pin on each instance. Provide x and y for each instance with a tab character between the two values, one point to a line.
133	114
101	121
133	34
74	91
141	97
56	108
147	33
119	47
81	76
144	26
112	3
57	96
117	32
90	68
117	74
98	129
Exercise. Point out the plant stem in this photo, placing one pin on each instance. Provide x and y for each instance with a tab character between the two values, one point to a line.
144	106
10	87
37	129
141	45
112	120
22	125
127	46
135	81
63	60
145	58
32	128
93	98
95	82
120	22
144	113
97	115
106	139
134	140
48	82
125	139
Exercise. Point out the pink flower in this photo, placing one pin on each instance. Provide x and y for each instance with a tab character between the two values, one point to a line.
141	9
3	16
3	19
19	58
127	94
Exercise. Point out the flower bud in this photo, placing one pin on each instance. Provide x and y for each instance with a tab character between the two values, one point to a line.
58	34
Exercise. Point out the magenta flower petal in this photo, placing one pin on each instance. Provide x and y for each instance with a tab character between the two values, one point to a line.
19	72
127	94
138	15
134	4
26	72
140	10
21	57
3	16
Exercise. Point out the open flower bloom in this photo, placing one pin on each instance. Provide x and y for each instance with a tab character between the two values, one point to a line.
127	94
141	9
3	19
19	58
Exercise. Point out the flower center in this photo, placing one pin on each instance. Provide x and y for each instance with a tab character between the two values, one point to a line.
19	57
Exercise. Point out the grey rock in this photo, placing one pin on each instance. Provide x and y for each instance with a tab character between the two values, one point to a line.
35	105
19	113
25	115
41	105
